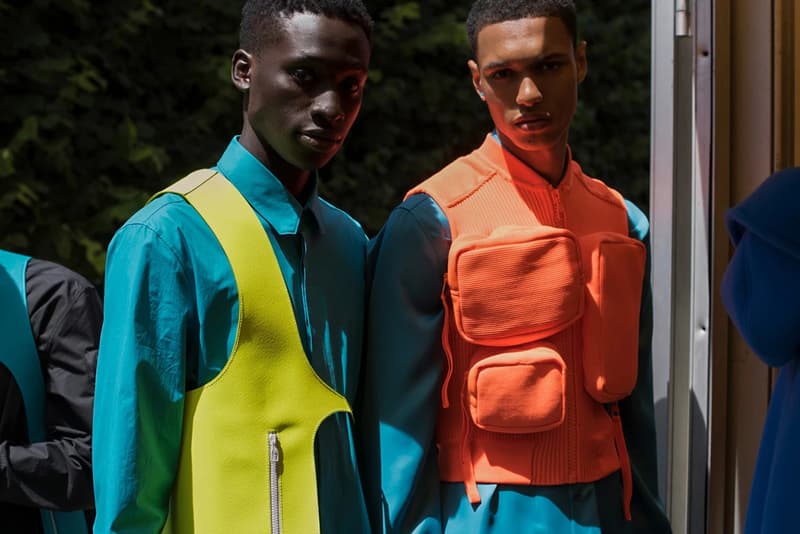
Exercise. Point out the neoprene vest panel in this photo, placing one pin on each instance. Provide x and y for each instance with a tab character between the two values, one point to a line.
247	451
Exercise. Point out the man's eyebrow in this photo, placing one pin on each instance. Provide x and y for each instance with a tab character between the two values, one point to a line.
553	55
538	59
496	65
321	58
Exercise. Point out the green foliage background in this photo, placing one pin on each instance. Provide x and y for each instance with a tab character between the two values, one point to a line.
104	103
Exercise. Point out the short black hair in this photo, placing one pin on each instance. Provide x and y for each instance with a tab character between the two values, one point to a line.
261	18
486	12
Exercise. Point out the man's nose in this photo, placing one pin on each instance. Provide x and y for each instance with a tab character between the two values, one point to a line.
328	108
528	93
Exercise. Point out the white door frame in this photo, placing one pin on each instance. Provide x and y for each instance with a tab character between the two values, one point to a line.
680	209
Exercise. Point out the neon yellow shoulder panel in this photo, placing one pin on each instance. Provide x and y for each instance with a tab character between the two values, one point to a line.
247	453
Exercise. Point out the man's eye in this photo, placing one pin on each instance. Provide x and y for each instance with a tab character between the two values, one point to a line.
351	86
500	74
551	65
302	76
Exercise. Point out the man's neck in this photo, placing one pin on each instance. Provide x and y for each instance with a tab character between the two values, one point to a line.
293	179
550	163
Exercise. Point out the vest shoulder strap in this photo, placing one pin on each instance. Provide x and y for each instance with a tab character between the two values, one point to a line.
456	181
188	183
236	227
246	244
21	357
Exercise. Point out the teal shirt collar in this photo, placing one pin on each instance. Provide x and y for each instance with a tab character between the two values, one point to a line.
266	194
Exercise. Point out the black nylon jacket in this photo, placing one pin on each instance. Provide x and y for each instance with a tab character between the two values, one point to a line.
65	314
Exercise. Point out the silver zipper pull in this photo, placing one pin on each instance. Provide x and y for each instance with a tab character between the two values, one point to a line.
274	450
274	481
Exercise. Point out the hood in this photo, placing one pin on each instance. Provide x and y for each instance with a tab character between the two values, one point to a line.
761	286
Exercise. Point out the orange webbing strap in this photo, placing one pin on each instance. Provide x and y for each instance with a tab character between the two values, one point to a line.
467	469
448	349
624	461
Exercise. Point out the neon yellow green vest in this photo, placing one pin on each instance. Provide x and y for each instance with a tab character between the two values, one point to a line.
247	452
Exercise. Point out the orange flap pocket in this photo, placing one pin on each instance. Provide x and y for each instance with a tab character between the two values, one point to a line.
516	285
518	391
614	269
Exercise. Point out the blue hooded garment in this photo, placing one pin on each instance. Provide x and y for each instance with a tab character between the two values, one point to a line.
761	291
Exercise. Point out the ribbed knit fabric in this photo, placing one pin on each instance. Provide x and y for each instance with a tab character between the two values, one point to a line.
516	252
479	193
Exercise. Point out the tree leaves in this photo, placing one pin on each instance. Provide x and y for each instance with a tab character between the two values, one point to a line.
105	103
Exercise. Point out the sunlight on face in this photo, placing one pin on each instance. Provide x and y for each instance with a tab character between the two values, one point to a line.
528	72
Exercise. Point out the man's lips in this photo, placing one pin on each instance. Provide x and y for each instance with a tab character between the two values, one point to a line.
533	121
321	139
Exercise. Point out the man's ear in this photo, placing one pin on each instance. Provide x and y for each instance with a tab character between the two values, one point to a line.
241	69
580	61
476	77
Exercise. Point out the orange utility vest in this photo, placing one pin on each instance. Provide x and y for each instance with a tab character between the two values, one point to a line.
542	297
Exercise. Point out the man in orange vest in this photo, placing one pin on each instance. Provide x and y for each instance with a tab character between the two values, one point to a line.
508	376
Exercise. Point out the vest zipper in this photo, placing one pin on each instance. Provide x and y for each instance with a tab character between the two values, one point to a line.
274	482
558	209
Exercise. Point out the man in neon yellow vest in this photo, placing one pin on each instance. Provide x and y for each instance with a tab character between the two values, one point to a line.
234	308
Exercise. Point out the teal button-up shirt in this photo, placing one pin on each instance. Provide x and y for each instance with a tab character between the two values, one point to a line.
171	310
402	384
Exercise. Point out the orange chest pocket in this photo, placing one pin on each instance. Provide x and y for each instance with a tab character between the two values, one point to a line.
513	289
517	285
517	391
614	268
510	291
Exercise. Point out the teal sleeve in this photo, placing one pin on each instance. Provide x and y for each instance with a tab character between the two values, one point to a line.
402	374
138	409
637	411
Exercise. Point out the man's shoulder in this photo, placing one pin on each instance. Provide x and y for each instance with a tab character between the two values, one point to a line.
338	220
168	216
600	189
162	210
54	293
48	273
420	213
457	178
167	226
638	224
473	163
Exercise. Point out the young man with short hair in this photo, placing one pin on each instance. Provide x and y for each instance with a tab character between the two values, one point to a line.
508	323
50	326
234	308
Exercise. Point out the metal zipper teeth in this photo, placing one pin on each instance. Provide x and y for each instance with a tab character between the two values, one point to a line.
274	482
